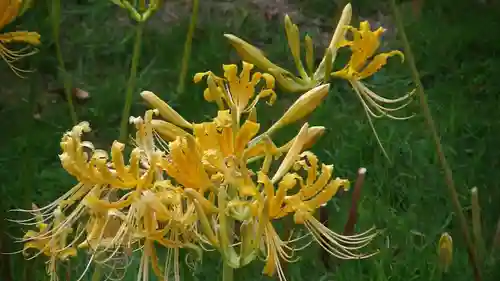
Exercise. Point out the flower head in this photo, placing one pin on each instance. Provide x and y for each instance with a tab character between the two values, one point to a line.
238	92
364	63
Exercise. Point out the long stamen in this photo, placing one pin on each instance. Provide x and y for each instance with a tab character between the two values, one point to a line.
339	245
369	114
384	111
382	99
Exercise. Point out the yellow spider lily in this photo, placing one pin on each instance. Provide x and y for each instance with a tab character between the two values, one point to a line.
363	47
9	10
236	92
315	191
364	63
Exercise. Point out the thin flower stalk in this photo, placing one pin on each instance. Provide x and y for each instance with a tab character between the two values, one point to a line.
476	226
187	48
140	12
55	18
131	83
448	176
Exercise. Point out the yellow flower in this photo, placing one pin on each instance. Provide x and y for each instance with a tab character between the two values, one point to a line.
236	92
9	10
312	192
184	164
363	64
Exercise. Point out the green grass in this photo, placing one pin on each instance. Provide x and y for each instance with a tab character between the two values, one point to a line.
457	53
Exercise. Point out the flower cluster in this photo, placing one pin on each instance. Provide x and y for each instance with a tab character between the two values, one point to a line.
363	63
220	184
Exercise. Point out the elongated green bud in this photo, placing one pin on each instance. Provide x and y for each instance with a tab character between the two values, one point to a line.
309	54
302	107
167	112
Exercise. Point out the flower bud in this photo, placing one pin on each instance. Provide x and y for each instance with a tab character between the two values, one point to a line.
165	110
445	251
303	106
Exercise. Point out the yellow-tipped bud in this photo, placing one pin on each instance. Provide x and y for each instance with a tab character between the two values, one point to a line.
302	107
292	154
338	35
167	131
313	134
252	54
345	19
285	79
445	251
165	110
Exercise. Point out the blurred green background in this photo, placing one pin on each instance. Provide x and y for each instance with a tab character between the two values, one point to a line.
457	49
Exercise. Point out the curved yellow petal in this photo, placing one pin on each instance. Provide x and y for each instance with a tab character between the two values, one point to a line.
245	134
32	38
377	63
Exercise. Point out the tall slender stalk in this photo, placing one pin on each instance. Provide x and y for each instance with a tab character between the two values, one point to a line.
476	226
227	272
136	55
187	48
97	274
437	142
55	18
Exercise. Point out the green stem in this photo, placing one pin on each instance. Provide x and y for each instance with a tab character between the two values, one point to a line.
476	227
55	15
187	48
96	276
437	142
136	55
227	272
